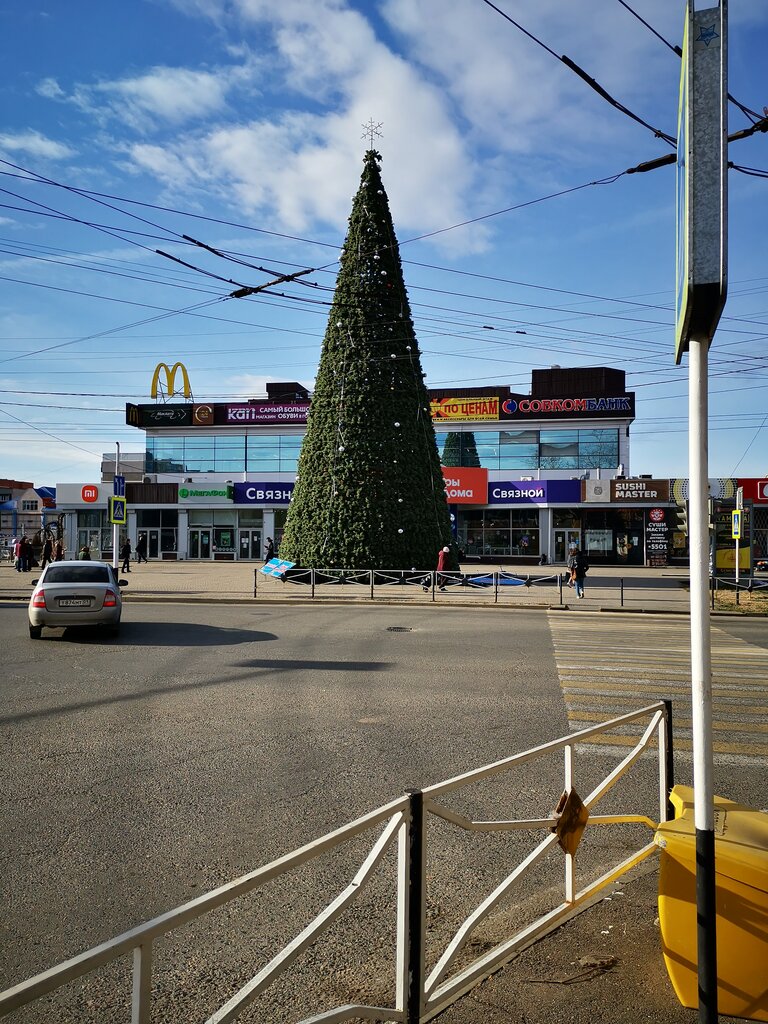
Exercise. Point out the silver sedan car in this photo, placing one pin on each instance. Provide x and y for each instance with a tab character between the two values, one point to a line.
76	594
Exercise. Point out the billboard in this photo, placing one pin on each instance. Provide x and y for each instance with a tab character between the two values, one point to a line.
459	410
534	492
465	486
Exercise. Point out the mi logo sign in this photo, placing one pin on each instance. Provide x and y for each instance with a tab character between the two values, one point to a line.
170	381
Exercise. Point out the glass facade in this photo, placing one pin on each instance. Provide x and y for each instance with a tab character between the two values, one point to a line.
533	449
223	453
499	532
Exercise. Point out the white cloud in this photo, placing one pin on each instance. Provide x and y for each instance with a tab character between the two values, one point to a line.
50	88
35	144
171	94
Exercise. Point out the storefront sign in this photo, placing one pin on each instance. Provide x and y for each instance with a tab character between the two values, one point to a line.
264	493
596	490
174	414
465	486
657	536
458	409
262	412
201	493
82	494
202	415
543	408
534	492
639	490
755	490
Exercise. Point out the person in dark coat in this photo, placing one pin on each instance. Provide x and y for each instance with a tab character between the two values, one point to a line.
58	551
578	564
125	554
141	549
47	554
269	550
85	553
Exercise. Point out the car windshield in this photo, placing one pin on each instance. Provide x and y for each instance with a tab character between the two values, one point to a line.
77	574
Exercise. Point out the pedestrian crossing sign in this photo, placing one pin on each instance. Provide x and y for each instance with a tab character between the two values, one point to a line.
118	512
736	525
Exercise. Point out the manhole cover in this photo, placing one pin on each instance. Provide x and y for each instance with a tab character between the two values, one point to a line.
399	629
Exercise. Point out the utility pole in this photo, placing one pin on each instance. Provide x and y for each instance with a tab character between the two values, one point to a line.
702	250
115	526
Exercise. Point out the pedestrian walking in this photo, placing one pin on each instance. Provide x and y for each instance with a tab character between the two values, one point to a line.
442	566
269	550
578	563
85	553
141	549
17	547
125	554
58	551
47	553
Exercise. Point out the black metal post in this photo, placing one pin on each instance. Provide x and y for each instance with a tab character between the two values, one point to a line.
372	571
434	584
670	757
560	585
312	579
622	591
255	580
706	931
416	902
495	588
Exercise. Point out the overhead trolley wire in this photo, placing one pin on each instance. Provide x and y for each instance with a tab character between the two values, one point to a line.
591	82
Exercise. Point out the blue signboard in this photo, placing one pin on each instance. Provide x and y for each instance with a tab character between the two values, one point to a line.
265	492
534	492
118	486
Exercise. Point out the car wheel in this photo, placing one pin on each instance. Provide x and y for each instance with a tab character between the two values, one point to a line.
35	632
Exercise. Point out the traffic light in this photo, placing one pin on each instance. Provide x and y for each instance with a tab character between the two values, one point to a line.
681	519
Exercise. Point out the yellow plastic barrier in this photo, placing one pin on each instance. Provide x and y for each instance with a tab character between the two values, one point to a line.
741	878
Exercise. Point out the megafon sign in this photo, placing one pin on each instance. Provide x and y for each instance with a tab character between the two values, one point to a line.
464	486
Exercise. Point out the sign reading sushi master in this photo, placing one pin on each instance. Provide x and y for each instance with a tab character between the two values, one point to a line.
639	491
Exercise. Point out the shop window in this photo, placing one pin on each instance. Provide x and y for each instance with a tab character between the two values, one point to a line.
496	519
496	542
89	520
167	540
525	519
147	517
524	542
200	517
251	517
224	517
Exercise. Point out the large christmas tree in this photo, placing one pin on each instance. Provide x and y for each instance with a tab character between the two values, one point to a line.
369	490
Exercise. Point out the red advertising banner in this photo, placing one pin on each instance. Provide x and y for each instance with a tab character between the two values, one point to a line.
465	486
755	490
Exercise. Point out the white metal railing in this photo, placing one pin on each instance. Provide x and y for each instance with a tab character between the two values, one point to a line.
417	996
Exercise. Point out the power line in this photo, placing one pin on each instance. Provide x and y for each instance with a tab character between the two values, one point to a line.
591	82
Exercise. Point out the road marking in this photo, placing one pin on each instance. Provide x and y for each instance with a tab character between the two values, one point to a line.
608	666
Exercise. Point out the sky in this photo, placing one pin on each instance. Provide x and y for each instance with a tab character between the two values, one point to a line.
240	125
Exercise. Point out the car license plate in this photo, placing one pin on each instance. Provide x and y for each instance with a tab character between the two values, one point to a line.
74	602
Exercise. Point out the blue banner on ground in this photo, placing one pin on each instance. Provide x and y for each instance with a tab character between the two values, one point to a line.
276	567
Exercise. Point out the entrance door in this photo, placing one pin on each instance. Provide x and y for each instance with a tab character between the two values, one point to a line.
153	543
250	544
200	544
565	542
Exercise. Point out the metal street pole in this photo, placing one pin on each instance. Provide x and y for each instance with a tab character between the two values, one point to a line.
701	678
115	527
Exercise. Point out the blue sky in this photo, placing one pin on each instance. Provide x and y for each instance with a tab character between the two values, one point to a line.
239	124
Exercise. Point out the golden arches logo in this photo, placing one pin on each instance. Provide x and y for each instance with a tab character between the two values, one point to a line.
170	380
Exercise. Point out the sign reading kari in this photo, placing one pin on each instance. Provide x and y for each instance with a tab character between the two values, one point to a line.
262	412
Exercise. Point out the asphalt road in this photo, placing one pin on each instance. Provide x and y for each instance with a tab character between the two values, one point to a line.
208	740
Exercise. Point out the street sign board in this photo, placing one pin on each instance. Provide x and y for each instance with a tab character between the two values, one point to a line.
118	511
118	486
736	525
702	176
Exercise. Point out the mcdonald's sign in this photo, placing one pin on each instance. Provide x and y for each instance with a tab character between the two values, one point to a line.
170	380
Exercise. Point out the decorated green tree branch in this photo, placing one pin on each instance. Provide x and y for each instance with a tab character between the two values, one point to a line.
369	490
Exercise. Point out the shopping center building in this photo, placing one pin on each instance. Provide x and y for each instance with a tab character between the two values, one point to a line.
527	475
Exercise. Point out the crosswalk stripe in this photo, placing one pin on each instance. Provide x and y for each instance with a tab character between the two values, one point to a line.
604	664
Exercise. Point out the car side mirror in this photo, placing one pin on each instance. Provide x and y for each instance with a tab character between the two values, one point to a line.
122	583
33	583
